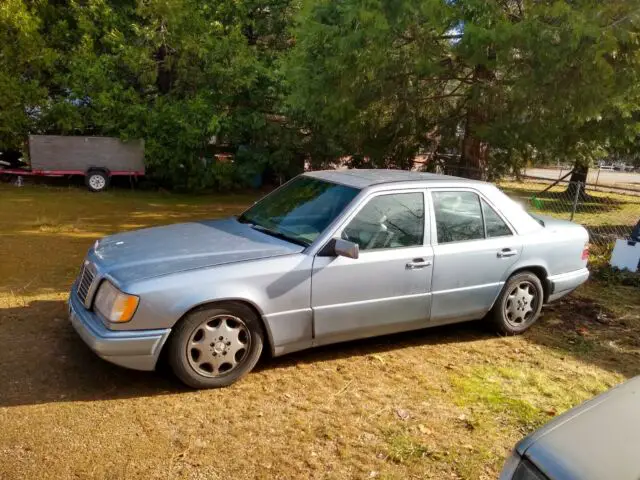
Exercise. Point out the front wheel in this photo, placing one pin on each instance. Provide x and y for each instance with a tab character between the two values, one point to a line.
519	304
216	346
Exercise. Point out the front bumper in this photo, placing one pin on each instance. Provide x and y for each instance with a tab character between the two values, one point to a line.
136	349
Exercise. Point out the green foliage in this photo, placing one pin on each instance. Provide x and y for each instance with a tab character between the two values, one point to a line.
615	276
280	82
525	78
174	72
25	60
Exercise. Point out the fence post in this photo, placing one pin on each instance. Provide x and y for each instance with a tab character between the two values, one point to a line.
575	199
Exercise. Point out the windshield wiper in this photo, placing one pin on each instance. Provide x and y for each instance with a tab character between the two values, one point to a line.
280	235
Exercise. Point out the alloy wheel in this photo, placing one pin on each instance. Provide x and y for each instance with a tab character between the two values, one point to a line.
521	304
218	345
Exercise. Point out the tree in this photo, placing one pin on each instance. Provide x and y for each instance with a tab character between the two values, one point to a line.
493	81
25	60
177	73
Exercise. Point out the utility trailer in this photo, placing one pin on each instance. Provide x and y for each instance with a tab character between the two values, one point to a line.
96	158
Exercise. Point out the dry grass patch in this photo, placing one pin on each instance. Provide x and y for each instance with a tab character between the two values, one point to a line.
443	403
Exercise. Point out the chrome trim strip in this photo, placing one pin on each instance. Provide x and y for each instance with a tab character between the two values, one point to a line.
287	312
472	287
373	300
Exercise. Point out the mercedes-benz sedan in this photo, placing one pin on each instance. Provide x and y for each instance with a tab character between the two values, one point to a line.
329	256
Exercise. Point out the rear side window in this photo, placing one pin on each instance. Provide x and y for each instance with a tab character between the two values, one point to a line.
496	227
458	216
388	221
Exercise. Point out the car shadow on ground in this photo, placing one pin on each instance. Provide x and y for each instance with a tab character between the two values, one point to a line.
43	360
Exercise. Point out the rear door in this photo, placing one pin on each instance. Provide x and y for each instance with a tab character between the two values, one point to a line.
473	247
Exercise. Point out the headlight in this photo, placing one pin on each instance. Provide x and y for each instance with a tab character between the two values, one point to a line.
114	305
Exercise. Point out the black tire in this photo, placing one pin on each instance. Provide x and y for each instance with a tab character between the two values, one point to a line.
182	360
513	314
97	180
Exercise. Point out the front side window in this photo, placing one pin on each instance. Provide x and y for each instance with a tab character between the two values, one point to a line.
301	210
458	216
388	221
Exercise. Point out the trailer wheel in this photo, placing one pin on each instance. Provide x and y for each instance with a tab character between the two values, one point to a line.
97	180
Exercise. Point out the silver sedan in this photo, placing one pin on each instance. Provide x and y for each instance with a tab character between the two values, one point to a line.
329	256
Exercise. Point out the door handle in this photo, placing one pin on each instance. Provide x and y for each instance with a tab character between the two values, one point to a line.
417	263
507	252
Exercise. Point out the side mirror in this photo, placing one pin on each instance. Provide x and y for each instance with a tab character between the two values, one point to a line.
345	248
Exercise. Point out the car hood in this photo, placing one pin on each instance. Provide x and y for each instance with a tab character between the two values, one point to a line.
151	252
598	439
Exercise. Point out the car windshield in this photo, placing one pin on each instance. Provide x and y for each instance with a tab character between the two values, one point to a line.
300	210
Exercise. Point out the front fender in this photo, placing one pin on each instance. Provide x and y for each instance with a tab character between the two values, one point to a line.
278	288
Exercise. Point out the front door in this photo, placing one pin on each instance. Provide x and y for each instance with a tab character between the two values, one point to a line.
386	289
474	250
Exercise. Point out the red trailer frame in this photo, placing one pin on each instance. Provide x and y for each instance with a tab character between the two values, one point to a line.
62	173
95	158
92	175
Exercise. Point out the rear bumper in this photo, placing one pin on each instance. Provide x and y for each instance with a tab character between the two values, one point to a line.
135	349
561	285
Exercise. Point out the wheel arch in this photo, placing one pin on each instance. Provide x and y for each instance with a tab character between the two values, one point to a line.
540	272
104	170
242	301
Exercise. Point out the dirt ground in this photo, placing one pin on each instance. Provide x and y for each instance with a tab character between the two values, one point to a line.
442	403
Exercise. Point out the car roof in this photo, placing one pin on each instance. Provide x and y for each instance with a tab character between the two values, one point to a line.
363	178
366	179
598	439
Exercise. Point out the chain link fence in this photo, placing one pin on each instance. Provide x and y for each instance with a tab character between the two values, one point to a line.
607	214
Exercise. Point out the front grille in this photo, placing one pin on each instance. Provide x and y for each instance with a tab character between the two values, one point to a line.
87	274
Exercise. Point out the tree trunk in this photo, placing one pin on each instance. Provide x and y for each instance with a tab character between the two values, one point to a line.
475	153
578	179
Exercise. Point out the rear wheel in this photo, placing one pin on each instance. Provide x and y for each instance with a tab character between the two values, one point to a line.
519	304
97	181
216	346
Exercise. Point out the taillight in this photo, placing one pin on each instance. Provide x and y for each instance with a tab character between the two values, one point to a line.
585	252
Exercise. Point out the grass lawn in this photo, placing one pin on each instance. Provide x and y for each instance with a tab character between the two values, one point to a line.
443	403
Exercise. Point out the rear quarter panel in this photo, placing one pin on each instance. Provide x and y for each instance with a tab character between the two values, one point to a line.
558	249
